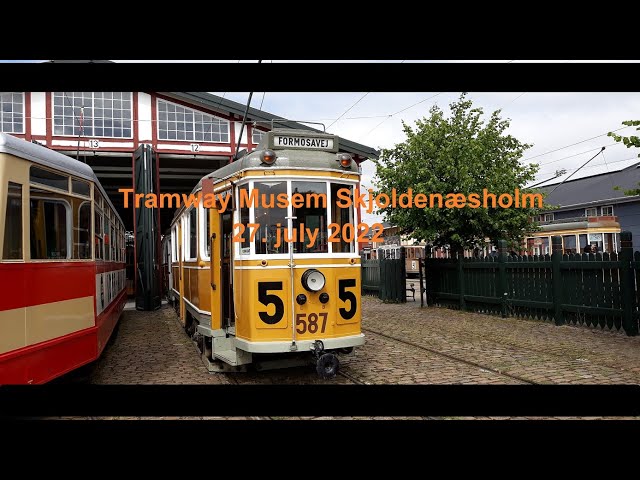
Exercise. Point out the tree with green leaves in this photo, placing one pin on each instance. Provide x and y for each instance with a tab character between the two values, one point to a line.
630	141
458	154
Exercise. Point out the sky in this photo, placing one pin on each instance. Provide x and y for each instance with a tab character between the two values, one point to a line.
548	121
565	129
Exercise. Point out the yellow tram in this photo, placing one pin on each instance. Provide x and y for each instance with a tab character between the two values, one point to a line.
268	270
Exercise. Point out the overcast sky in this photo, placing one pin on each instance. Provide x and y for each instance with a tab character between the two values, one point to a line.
549	121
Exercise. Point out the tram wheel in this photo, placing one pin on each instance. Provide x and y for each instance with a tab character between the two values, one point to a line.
327	365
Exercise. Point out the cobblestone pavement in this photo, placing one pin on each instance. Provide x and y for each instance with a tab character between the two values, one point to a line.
497	350
404	345
151	348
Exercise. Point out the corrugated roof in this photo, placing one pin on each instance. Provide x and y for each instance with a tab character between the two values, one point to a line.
594	189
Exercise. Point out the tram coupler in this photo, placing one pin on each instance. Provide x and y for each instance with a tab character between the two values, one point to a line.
327	364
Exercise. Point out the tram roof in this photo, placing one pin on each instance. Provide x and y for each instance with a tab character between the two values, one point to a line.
286	159
36	153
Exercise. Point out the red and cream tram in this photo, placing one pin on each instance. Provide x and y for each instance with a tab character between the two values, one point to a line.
62	272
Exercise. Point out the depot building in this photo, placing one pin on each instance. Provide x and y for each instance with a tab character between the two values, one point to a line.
186	135
191	133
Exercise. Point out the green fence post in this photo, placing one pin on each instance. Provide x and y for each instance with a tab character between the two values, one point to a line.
461	279
429	276
383	285
502	276
627	284
556	278
402	276
420	267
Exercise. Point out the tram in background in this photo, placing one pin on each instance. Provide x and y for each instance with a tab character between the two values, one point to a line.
259	301
62	273
413	254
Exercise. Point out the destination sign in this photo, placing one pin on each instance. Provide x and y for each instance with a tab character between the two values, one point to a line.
319	143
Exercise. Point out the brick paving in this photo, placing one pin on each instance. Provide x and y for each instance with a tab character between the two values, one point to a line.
151	348
445	347
450	347
530	350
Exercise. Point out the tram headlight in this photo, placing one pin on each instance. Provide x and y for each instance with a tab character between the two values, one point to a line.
344	159
269	157
313	280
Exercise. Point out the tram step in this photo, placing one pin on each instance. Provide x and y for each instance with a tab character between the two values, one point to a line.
228	356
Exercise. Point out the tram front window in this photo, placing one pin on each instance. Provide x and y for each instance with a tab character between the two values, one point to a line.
310	225
272	219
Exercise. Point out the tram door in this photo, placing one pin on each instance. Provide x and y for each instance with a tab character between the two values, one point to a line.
226	279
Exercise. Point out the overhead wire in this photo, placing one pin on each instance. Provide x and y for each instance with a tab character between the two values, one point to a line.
576	171
573	144
509	103
400	111
578	154
348	109
596	165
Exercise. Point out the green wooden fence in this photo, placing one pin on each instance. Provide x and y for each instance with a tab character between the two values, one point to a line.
370	277
393	274
595	290
385	278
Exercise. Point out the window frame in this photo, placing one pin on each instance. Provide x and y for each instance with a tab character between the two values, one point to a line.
23	225
24	126
174	243
193	112
250	183
253	130
202	239
188	253
98	212
602	211
82	204
93	118
586	212
69	226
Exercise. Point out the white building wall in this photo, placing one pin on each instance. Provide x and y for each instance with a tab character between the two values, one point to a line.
237	127
144	116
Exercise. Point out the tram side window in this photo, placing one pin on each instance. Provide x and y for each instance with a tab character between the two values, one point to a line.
342	217
82	248
98	233
119	250
174	244
12	249
193	239
207	229
50	179
113	240
107	237
50	221
80	188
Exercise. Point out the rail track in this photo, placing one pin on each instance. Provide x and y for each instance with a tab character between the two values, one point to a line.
450	357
